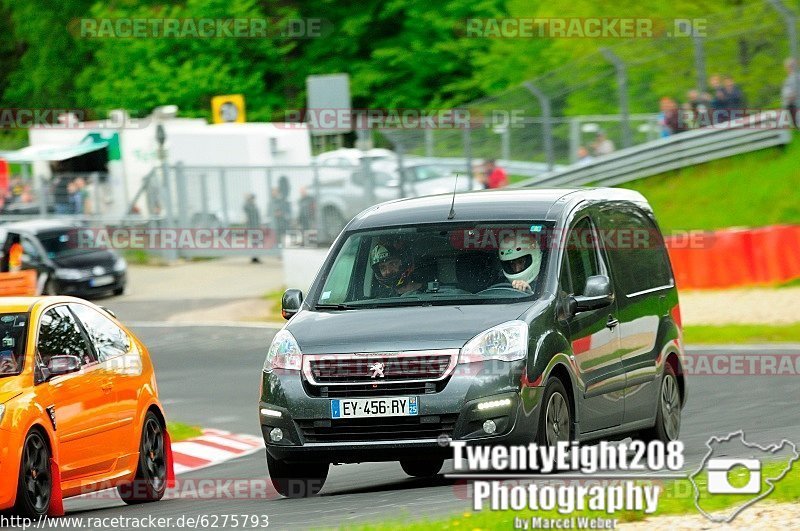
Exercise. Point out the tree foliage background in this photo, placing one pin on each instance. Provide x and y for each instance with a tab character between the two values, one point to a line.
399	53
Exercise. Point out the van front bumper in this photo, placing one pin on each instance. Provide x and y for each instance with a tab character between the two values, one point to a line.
308	432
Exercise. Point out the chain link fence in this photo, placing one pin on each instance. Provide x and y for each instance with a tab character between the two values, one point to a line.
622	91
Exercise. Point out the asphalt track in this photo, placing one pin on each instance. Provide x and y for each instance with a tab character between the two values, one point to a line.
209	375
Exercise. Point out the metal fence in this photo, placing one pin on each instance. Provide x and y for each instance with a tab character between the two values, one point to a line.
679	151
619	89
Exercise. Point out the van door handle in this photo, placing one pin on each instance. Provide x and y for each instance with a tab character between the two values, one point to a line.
107	387
612	322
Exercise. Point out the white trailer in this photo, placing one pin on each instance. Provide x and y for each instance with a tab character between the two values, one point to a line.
133	151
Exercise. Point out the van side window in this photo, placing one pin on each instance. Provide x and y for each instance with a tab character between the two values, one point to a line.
637	253
581	255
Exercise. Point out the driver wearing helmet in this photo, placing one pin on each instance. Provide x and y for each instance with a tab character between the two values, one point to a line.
393	268
521	261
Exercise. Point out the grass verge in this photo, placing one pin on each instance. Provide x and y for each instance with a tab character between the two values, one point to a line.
180	432
274	299
754	189
677	498
742	333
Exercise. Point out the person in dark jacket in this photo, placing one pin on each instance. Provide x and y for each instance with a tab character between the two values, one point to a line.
252	218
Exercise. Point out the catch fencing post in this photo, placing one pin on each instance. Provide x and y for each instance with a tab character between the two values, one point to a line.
467	137
790	19
223	196
622	87
547	115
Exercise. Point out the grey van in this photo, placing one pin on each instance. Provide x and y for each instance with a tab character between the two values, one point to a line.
494	317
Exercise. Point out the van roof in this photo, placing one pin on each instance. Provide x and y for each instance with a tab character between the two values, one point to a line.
508	204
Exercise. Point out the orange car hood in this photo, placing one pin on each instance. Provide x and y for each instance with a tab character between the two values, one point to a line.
10	386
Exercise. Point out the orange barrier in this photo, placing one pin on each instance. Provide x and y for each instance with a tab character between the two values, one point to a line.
737	257
18	283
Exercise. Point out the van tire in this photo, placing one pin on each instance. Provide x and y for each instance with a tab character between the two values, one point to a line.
668	412
296	480
555	405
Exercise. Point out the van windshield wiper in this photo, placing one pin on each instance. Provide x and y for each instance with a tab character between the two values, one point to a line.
334	307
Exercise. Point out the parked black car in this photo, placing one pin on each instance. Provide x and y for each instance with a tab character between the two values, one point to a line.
515	316
65	265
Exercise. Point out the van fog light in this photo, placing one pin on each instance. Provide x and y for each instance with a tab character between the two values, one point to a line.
276	435
489	427
492	404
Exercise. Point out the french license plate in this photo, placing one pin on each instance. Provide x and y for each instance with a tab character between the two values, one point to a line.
396	406
105	280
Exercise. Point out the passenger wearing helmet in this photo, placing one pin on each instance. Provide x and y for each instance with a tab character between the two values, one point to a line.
393	268
521	259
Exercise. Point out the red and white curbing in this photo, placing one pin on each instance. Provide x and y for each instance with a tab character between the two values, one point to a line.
212	448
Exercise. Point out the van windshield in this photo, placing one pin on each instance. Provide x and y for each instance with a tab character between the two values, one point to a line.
440	264
13	331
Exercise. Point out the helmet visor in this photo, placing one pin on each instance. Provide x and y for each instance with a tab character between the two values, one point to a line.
517	265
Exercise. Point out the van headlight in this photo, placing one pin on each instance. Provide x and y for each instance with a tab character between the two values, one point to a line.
283	353
120	264
504	342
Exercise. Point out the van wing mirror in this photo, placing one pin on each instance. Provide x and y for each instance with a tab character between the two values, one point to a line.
291	302
597	294
58	365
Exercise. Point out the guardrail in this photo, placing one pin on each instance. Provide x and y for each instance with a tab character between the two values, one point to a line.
689	148
512	167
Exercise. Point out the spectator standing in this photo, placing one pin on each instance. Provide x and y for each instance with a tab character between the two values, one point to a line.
583	156
719	100
252	218
602	145
496	176
668	117
479	174
790	92
306	212
733	95
279	214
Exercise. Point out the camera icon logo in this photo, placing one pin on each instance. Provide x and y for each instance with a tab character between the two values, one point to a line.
734	466
719	482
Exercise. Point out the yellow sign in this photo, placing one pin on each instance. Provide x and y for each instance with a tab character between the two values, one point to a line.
228	109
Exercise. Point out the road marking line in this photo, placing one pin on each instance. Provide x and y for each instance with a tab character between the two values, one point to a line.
201	451
227	441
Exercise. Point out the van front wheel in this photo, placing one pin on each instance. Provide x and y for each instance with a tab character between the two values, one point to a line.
296	480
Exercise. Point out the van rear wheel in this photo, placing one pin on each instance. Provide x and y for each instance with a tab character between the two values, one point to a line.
668	415
296	480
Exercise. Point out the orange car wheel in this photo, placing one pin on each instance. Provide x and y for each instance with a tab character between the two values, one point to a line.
35	483
151	475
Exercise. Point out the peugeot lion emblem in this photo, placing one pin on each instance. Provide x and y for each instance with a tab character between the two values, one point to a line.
377	369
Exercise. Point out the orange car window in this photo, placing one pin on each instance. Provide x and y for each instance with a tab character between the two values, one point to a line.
109	340
60	335
13	331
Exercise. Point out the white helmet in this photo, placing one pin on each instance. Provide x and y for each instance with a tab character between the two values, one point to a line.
512	249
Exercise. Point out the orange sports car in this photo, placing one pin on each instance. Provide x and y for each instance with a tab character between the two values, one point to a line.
79	408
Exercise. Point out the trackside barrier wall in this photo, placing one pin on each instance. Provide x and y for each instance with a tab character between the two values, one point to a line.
738	257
